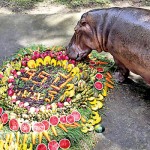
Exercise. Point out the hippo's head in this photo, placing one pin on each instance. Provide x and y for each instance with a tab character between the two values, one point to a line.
84	39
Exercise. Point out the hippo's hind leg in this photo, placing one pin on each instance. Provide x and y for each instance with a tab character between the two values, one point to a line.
122	72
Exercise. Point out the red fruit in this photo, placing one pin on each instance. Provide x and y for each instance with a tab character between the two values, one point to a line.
63	119
33	57
54	120
46	124
4	118
72	62
1	76
25	128
13	125
41	146
10	92
26	58
59	58
92	63
10	80
21	104
36	54
22	70
42	55
64	144
68	99
70	119
98	85
66	58
53	145
100	69
99	76
52	54
1	111
13	72
24	63
60	105
38	127
77	115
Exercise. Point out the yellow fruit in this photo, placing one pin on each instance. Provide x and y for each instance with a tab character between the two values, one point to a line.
47	60
69	87
70	67
53	62
64	64
100	97
100	104
59	63
31	64
39	62
93	102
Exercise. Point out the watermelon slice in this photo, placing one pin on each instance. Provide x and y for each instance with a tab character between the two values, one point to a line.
64	143
4	118
1	111
77	115
41	146
46	124
63	119
100	69
53	145
13	125
70	119
25	128
54	120
38	127
99	76
98	85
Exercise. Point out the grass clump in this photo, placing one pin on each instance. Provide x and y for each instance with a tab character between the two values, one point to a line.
83	3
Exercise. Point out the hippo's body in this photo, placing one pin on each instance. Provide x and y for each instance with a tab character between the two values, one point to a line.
123	32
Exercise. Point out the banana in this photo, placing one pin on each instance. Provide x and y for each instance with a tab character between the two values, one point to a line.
91	98
69	87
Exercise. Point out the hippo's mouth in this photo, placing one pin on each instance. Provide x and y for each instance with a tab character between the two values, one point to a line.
82	55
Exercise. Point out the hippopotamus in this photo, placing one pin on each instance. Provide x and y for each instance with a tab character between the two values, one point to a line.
123	32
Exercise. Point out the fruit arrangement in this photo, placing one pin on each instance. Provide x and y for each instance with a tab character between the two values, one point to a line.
48	101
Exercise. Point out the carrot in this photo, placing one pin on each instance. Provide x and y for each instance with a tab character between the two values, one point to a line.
101	63
35	82
19	55
41	76
40	137
25	137
29	73
55	87
45	78
76	124
109	80
24	79
18	94
17	137
33	138
45	133
70	125
62	127
56	80
64	76
54	130
52	92
109	85
43	72
83	119
64	84
109	75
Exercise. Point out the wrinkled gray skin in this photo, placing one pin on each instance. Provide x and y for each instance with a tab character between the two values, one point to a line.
123	32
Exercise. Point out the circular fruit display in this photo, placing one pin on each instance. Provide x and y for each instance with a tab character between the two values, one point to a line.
51	97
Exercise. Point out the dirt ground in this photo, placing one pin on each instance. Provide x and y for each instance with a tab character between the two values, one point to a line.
127	107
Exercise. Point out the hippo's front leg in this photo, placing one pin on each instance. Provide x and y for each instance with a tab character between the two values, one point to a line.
122	72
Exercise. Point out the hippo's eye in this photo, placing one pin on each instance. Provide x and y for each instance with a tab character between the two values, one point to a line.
83	23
